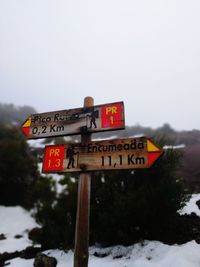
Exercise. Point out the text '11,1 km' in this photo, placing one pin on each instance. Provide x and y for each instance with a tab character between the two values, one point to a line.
129	153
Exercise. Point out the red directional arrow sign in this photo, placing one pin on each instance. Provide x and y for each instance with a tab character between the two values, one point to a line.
130	153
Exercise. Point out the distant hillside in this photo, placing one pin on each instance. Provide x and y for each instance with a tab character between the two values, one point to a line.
11	114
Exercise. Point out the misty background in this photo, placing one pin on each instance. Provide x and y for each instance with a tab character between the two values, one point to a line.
145	53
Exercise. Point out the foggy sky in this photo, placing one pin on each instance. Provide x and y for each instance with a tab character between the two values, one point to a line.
145	53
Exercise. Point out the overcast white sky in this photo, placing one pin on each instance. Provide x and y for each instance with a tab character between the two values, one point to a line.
145	53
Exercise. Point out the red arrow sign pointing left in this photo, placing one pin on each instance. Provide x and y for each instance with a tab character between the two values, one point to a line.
26	127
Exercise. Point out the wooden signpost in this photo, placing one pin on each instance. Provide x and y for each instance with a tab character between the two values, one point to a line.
81	250
88	119
87	156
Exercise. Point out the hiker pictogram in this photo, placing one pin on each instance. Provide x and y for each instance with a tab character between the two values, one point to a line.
70	155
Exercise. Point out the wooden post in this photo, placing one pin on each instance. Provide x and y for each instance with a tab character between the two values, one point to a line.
81	253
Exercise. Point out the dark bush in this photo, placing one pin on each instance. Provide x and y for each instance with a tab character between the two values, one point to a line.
18	168
132	205
57	217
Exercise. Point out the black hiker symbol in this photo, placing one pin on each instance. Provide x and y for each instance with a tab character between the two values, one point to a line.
93	116
70	155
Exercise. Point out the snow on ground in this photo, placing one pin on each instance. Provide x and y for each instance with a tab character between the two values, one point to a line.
20	263
191	206
15	221
147	254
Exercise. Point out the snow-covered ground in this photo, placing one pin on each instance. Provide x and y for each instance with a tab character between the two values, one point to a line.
17	221
191	206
